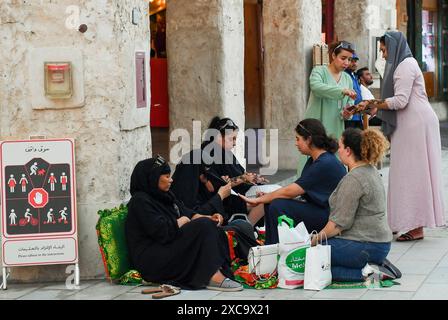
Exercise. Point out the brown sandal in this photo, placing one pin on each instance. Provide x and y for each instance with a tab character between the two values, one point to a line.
406	237
152	290
162	291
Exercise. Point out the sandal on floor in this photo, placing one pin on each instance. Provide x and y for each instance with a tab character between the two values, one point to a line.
152	290
162	291
405	237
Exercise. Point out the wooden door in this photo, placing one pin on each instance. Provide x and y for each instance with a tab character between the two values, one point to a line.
253	64
159	93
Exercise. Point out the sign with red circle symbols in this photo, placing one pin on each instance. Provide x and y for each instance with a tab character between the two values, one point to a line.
38	198
38	202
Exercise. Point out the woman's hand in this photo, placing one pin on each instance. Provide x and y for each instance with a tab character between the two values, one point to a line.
373	112
226	178
348	112
251	178
197	216
183	221
261	180
362	106
218	219
225	191
350	93
251	202
314	240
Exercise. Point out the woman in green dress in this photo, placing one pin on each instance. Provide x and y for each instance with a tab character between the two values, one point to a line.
331	91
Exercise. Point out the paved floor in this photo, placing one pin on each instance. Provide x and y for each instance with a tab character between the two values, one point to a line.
424	265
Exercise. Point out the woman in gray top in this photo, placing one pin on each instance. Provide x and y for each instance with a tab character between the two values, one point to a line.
360	235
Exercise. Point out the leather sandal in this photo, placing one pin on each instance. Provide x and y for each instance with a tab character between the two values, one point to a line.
406	237
152	290
162	291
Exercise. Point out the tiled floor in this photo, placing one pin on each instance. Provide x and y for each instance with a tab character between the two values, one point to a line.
424	265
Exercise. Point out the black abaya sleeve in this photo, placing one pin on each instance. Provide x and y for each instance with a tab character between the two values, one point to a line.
155	222
212	206
186	179
184	211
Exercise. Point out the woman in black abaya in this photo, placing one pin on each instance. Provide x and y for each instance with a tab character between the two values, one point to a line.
167	242
221	162
193	187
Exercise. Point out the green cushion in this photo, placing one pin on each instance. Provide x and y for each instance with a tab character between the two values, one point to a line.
112	241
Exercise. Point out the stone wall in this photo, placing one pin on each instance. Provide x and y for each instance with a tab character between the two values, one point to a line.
205	46
290	29
360	21
111	136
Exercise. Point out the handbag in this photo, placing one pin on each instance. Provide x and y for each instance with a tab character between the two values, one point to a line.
263	260
318	266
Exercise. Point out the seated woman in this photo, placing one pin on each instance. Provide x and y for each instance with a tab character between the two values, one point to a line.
358	227
319	179
217	155
192	186
169	243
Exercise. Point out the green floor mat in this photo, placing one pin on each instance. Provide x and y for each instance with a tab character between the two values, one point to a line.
363	285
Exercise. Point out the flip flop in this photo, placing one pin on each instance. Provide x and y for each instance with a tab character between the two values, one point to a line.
168	291
160	288
152	290
406	237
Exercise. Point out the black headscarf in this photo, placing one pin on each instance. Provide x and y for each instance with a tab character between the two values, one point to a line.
397	51
145	178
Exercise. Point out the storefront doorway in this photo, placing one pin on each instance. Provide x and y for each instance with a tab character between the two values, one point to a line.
427	36
159	120
430	46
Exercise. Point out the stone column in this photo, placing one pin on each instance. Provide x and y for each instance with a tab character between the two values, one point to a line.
360	22
291	27
111	134
205	45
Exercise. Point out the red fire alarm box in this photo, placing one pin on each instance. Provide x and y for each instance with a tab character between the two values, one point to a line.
58	80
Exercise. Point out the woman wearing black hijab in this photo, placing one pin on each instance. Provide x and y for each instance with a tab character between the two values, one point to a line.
221	162
169	243
192	186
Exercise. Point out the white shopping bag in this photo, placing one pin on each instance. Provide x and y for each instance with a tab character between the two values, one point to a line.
263	260
318	266
292	251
